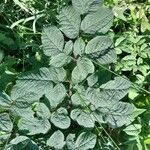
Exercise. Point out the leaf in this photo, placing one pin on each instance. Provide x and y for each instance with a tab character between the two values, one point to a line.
79	99
5	123
93	79
116	89
77	76
70	141
57	74
137	112
119	12
56	140
98	116
108	94
98	44
32	82
118	115
128	62
99	21
52	40
85	6
22	98
83	68
76	100
145	25
22	142
22	112
133	130
60	118
147	141
80	89
5	100
68	47
83	118
32	126
119	41
85	141
98	99
43	111
60	60
106	108
133	93
56	95
100	48
69	21
79	47
94	97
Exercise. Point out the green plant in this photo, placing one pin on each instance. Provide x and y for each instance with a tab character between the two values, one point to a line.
71	92
134	54
131	27
131	15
